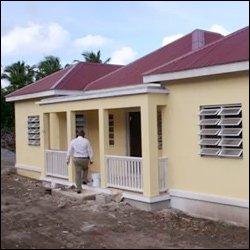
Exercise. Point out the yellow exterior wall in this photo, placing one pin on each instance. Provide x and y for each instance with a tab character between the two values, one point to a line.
63	130
119	147
27	154
30	174
187	169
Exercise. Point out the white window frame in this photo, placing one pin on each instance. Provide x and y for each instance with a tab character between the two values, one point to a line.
203	131
225	121
208	111
205	141
222	132
223	143
209	153
232	113
222	152
209	122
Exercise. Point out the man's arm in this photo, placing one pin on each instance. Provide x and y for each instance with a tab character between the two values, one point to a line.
69	153
90	152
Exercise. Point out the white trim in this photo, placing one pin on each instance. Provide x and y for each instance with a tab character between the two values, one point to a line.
210	198
43	94
146	199
111	92
55	180
59	81
205	71
28	167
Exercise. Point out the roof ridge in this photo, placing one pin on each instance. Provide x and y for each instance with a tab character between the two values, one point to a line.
212	44
141	58
101	64
208	31
90	83
113	72
59	81
36	82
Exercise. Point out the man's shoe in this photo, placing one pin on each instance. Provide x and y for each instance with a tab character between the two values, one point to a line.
84	182
79	191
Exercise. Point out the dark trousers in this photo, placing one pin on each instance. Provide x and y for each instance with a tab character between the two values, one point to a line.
81	171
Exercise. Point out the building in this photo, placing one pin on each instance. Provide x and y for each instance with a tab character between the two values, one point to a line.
169	129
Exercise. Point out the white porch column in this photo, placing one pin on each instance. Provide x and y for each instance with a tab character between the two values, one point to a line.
45	141
149	147
70	135
103	143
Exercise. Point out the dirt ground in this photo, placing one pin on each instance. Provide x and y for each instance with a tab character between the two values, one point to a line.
31	218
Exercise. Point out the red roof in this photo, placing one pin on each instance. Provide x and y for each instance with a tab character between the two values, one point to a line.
132	73
230	49
75	77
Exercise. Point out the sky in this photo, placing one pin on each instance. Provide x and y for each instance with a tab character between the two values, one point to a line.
122	30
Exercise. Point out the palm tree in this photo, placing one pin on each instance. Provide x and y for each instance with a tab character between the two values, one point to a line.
49	65
93	57
18	74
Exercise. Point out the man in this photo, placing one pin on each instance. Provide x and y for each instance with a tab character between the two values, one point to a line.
82	153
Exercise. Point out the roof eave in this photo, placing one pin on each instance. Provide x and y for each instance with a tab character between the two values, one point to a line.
198	72
47	93
111	92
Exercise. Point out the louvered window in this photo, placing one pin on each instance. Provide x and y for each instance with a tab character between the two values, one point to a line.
111	130
81	123
221	131
159	129
34	130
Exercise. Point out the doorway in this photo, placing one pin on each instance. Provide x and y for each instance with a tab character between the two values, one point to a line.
134	130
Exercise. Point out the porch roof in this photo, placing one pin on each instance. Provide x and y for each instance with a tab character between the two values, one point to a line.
112	92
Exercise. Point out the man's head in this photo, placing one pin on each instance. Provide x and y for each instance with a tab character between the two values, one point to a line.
81	133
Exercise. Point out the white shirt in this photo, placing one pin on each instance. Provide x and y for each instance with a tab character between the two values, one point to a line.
80	147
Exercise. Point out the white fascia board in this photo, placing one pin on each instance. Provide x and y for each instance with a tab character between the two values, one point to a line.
43	94
111	92
205	71
209	198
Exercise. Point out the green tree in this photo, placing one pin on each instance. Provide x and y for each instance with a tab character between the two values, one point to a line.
93	57
19	75
49	65
7	112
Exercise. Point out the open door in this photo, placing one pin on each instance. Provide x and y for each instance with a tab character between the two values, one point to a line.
135	134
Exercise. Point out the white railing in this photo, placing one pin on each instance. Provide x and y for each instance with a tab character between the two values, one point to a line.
124	172
56	163
162	162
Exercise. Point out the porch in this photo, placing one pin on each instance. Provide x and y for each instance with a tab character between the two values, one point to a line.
127	137
123	172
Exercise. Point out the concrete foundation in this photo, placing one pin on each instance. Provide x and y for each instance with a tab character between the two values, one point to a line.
148	206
